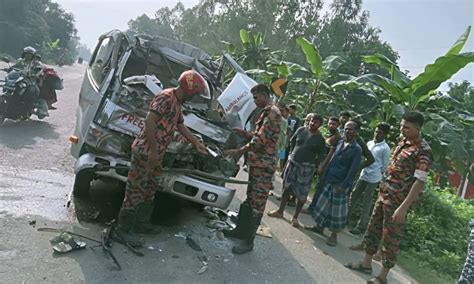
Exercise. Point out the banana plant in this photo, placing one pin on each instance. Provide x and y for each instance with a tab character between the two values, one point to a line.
411	93
399	93
321	72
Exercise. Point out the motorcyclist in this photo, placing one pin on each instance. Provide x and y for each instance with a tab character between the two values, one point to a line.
30	63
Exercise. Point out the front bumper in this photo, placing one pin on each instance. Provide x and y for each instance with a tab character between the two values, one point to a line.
185	186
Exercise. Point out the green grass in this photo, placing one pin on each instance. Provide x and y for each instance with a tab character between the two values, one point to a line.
422	272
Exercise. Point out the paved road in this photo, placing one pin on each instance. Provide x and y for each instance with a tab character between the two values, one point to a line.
36	177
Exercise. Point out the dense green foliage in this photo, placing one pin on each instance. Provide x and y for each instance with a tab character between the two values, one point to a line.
437	231
41	24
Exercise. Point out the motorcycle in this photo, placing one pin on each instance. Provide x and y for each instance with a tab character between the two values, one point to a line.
20	93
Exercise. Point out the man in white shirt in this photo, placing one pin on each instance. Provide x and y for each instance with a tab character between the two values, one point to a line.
370	177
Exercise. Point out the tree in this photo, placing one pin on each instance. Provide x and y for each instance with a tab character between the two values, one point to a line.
345	31
38	24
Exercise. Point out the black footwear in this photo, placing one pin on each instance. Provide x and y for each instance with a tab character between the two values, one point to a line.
143	225
245	212
125	234
247	243
359	267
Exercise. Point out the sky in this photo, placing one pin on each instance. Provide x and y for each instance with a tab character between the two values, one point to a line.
419	30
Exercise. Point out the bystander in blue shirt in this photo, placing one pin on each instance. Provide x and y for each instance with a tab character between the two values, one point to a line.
344	164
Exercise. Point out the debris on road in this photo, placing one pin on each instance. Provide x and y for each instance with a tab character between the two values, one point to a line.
180	235
203	269
264	231
32	222
192	244
218	225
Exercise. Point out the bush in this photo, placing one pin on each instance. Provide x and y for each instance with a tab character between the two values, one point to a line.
437	231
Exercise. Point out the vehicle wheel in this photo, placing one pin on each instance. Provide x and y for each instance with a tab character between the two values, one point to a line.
82	183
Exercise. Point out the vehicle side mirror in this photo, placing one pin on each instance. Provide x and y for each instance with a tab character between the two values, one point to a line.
5	59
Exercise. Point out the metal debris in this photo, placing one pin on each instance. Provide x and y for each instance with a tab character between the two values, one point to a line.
192	244
203	269
218	224
180	235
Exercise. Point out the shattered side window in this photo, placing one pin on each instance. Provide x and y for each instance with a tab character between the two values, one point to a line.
100	66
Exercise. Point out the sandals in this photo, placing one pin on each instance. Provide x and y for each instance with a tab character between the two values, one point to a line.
295	223
358	267
305	211
377	280
275	214
65	243
331	242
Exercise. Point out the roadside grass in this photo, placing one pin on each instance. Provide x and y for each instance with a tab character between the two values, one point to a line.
422	272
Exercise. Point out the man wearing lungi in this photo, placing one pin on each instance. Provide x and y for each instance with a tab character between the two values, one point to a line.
331	143
262	157
402	185
370	177
148	150
332	206
308	148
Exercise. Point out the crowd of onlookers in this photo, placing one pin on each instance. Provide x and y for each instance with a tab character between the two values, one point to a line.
336	159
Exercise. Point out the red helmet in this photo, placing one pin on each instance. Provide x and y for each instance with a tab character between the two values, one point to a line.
193	83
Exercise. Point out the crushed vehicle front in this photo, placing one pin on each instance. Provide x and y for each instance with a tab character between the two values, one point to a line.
137	69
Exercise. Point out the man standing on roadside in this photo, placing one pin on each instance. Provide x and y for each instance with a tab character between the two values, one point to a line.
308	148
282	141
331	143
402	185
344	117
148	150
370	177
332	206
262	156
293	123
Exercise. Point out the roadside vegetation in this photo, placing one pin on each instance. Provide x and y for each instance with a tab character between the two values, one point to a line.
43	25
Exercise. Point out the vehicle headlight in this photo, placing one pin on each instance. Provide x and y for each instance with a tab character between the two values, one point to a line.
110	143
107	141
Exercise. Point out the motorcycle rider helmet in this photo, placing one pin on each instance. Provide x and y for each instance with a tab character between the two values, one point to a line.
28	50
192	83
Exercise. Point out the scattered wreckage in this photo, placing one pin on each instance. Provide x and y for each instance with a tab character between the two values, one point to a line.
125	73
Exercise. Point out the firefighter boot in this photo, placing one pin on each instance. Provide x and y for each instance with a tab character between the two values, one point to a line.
126	220
143	225
243	219
247	243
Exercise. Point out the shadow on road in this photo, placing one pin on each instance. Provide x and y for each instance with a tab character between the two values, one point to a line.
21	134
168	257
105	199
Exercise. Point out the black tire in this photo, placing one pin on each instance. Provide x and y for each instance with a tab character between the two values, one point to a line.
82	183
